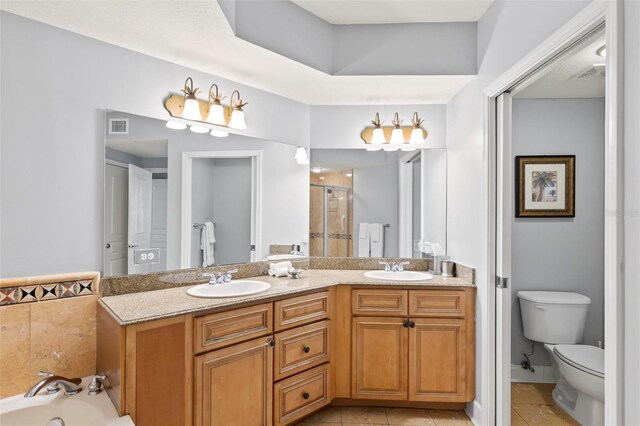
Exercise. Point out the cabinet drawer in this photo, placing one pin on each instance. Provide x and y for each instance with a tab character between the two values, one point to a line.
379	302
301	310
300	395
437	303
301	348
226	328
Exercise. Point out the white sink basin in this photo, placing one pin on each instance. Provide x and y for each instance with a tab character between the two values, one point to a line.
232	289
399	276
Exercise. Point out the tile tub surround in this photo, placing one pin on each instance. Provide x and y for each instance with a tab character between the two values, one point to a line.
139	307
54	329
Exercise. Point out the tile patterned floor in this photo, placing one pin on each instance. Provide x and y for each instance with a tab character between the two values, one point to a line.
378	416
532	405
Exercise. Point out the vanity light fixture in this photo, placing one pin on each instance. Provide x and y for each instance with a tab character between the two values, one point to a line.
191	109
395	137
175	125
237	114
219	133
301	156
216	110
317	170
210	111
198	129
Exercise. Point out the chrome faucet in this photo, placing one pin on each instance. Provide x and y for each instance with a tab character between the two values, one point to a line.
216	278
53	383
297	250
394	267
98	382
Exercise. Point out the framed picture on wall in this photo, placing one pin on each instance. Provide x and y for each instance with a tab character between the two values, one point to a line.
545	186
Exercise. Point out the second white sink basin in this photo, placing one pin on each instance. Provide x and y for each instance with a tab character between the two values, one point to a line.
232	289
399	276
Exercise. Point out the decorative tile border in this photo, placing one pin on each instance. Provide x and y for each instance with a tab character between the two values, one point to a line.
51	287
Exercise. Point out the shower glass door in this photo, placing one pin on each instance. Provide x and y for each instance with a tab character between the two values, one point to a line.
330	224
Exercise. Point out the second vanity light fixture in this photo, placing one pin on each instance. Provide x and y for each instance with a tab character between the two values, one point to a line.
395	137
212	111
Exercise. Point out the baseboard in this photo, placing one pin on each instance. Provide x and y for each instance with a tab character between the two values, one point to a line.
543	374
474	411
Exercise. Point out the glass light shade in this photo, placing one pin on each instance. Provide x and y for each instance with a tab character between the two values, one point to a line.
199	129
301	156
216	115
176	125
317	170
219	133
191	110
397	137
416	136
390	148
378	136
371	147
406	147
237	119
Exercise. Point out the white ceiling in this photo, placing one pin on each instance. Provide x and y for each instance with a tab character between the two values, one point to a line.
197	35
395	11
141	148
572	77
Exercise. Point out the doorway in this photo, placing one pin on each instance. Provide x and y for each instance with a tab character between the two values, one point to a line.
501	208
211	182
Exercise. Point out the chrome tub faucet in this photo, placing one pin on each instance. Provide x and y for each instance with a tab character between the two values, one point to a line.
53	384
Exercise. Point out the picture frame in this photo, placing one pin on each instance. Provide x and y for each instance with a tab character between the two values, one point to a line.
545	185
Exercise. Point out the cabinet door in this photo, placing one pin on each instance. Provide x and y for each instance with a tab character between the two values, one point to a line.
379	359
437	353
234	385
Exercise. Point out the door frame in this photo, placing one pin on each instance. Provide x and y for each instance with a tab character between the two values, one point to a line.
591	17
405	203
186	225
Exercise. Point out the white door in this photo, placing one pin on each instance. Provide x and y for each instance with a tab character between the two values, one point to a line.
504	213
159	223
115	226
139	229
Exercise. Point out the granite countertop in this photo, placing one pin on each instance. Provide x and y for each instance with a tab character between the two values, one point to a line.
145	306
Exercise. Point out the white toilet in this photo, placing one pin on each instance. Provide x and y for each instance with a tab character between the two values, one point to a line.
557	320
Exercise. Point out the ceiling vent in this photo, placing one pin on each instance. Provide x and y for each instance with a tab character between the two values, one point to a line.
594	71
118	126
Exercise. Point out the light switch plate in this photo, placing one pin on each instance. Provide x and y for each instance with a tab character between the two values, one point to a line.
148	256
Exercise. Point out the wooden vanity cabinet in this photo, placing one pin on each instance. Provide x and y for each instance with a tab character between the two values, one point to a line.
425	355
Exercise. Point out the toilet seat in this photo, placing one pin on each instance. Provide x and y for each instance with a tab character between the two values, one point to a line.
586	358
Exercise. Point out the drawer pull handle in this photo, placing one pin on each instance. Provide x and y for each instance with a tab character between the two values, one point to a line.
306	350
305	395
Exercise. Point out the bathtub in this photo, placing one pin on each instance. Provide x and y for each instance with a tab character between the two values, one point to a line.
76	410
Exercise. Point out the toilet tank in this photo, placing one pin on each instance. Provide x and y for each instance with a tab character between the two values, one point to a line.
553	316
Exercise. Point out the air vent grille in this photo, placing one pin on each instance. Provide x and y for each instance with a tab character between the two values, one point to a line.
118	126
590	72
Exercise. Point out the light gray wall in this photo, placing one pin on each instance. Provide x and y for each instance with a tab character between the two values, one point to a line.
561	254
122	157
72	80
375	200
340	126
231	187
223	188
506	33
434	193
417	205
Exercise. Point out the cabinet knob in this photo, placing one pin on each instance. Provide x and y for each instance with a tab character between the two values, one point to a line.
306	349
405	324
305	395
272	343
412	324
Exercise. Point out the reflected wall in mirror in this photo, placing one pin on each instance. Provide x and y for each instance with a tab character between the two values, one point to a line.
178	199
376	204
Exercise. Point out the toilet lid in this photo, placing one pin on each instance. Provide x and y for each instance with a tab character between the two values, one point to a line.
589	359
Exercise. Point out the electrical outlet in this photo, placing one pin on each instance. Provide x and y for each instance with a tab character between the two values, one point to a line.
148	256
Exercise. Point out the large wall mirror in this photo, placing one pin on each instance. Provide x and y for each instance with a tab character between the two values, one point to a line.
178	199
376	204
